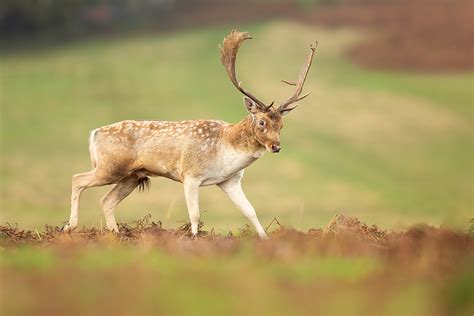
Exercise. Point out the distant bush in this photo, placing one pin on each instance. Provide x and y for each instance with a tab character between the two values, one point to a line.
26	17
30	17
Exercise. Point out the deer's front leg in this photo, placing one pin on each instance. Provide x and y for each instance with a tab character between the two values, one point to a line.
191	189
233	188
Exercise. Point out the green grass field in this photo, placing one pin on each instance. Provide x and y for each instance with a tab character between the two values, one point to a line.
391	148
167	285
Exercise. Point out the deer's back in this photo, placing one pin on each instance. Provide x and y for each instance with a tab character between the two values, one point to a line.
157	148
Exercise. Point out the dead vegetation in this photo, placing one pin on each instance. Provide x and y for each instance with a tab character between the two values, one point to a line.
434	260
427	35
342	236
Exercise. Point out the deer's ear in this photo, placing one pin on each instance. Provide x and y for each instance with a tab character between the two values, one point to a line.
250	105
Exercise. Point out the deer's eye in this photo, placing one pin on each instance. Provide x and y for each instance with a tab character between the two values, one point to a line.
261	123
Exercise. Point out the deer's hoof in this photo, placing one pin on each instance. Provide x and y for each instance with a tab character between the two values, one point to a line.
113	230
264	237
68	228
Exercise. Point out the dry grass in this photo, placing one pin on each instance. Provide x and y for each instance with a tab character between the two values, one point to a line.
148	269
346	235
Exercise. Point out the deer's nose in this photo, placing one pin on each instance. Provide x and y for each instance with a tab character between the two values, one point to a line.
276	148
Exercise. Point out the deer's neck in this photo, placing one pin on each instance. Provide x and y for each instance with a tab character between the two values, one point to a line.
242	137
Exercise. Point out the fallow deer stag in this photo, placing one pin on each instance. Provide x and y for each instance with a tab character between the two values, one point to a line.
196	152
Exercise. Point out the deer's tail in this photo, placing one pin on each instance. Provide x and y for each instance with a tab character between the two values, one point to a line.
92	148
144	183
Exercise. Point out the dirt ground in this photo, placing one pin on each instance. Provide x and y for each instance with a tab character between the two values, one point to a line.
431	35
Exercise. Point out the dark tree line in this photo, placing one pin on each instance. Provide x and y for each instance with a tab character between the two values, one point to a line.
69	17
30	17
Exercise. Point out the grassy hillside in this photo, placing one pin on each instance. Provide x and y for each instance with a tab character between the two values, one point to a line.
392	148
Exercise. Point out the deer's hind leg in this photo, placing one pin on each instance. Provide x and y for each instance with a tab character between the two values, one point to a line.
119	192
80	182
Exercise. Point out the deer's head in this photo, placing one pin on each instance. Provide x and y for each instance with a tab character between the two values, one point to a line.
267	121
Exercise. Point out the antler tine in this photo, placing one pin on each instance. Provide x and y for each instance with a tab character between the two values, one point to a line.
299	84
230	47
289	83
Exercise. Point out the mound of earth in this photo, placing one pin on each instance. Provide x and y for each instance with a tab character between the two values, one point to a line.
427	35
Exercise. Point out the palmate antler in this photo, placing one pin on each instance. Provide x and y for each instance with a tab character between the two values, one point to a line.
285	106
230	47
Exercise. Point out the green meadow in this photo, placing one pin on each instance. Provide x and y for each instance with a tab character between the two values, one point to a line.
391	148
132	280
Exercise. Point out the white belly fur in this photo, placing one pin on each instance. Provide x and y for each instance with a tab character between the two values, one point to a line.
228	163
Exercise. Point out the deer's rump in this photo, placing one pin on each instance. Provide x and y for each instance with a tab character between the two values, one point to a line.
121	150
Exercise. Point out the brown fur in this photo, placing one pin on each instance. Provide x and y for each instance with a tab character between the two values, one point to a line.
169	149
248	136
175	149
241	136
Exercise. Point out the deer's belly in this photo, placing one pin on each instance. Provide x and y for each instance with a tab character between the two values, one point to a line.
216	179
219	178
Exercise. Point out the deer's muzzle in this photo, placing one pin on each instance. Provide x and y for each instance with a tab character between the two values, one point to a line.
276	148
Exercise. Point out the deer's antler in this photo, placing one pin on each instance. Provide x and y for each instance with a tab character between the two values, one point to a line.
230	47
285	106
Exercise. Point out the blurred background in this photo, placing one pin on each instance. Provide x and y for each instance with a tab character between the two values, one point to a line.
385	136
